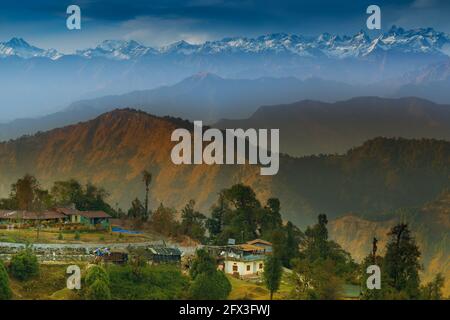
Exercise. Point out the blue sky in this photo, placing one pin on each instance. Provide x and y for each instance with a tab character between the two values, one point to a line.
160	22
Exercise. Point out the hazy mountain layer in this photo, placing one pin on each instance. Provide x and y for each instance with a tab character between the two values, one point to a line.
204	97
36	81
313	127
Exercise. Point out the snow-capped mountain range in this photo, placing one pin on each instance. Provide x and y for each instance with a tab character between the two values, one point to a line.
423	40
35	80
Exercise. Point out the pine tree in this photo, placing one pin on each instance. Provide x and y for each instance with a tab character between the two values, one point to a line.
272	274
401	262
147	179
433	289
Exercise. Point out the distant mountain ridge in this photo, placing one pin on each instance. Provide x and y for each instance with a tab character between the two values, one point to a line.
314	127
203	96
421	40
307	127
36	80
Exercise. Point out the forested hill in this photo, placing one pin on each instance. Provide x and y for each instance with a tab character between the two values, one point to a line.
381	175
113	149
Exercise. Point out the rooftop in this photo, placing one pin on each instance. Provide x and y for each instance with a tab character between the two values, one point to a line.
259	241
29	215
58	213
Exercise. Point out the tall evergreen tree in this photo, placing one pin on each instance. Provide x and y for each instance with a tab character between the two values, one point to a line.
147	179
137	210
24	191
401	262
316	240
272	274
192	222
216	222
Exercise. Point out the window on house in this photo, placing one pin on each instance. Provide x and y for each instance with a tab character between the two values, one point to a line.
248	268
235	268
260	265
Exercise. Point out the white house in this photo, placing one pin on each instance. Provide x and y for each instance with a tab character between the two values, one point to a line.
245	259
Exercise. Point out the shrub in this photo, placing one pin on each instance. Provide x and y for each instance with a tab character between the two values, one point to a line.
160	282
60	236
77	235
98	290
5	290
24	265
203	263
211	286
95	273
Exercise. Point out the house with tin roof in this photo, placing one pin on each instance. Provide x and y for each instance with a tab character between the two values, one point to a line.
92	218
243	260
57	215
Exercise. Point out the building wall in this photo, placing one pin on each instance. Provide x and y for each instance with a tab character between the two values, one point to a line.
244	267
75	218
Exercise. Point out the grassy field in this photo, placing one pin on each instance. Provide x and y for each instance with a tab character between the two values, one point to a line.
245	290
49	285
53	236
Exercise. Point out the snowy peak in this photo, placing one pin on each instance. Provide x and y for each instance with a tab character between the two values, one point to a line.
425	40
422	40
20	48
17	43
117	50
179	47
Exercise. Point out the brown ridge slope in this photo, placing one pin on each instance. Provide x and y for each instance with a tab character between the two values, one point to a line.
111	151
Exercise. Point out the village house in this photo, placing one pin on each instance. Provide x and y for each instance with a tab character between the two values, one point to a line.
163	254
57	215
91	218
28	217
244	260
266	245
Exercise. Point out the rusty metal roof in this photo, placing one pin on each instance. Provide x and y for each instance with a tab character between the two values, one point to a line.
94	214
29	215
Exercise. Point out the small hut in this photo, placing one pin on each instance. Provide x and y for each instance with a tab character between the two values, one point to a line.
162	254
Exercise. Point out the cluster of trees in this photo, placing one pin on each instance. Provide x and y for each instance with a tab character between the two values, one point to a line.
400	267
239	215
139	281
208	282
164	221
27	194
322	266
